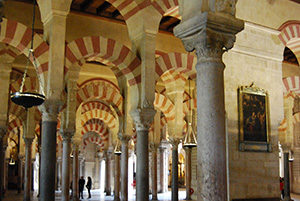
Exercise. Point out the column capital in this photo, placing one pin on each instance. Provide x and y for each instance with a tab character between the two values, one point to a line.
209	33
28	141
50	109
124	138
153	147
143	117
67	134
174	142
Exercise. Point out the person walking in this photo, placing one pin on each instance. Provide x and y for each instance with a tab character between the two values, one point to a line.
89	186
81	186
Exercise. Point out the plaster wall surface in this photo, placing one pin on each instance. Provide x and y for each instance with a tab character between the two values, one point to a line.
254	174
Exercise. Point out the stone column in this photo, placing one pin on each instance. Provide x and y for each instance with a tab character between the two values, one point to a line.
117	178
58	172
210	31
48	155
143	119
188	171
2	156
124	167
75	184
97	171
107	173
287	196
174	183
66	166
28	169
19	179
154	170
162	172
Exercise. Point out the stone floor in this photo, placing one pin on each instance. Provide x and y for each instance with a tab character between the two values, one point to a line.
96	196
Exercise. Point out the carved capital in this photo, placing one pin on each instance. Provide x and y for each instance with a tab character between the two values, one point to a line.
209	33
124	138
28	141
50	110
174	142
67	134
153	147
143	118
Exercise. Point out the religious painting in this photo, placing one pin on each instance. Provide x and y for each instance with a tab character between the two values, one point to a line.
253	119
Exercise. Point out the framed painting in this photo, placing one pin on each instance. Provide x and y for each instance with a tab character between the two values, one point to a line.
254	125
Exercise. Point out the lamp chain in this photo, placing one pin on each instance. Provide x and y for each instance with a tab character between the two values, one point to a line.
31	53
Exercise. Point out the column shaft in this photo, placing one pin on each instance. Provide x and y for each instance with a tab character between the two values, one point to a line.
48	161
188	172
27	178
2	159
107	174
174	172
287	196
75	184
142	172
66	168
124	170
117	178
211	136
162	172
19	179
154	173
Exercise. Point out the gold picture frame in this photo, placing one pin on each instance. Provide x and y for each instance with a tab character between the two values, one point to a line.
254	121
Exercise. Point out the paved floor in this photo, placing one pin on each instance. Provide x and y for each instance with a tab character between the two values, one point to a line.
96	196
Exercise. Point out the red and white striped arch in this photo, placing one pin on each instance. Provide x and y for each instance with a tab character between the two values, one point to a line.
15	123
163	122
92	105
291	84
100	90
97	126
18	36
95	140
17	110
290	37
8	51
106	117
172	76
162	103
166	7
181	62
79	50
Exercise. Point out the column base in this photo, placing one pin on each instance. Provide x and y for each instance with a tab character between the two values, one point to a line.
116	198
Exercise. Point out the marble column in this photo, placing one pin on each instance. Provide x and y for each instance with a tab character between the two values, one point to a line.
48	155
210	33
117	178
154	170
19	179
124	167
107	173
143	119
163	168
75	184
97	171
287	196
188	171
2	159
28	169
174	183
58	172
66	166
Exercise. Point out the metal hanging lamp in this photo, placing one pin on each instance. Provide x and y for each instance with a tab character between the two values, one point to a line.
190	140
29	99
117	149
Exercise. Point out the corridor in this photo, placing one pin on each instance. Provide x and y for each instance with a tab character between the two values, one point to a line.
96	196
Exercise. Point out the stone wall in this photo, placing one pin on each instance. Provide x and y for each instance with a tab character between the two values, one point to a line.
256	57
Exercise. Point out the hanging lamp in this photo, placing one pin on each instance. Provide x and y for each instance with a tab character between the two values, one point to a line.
190	140
29	99
117	149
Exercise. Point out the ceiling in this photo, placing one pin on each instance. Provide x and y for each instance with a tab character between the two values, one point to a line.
104	9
